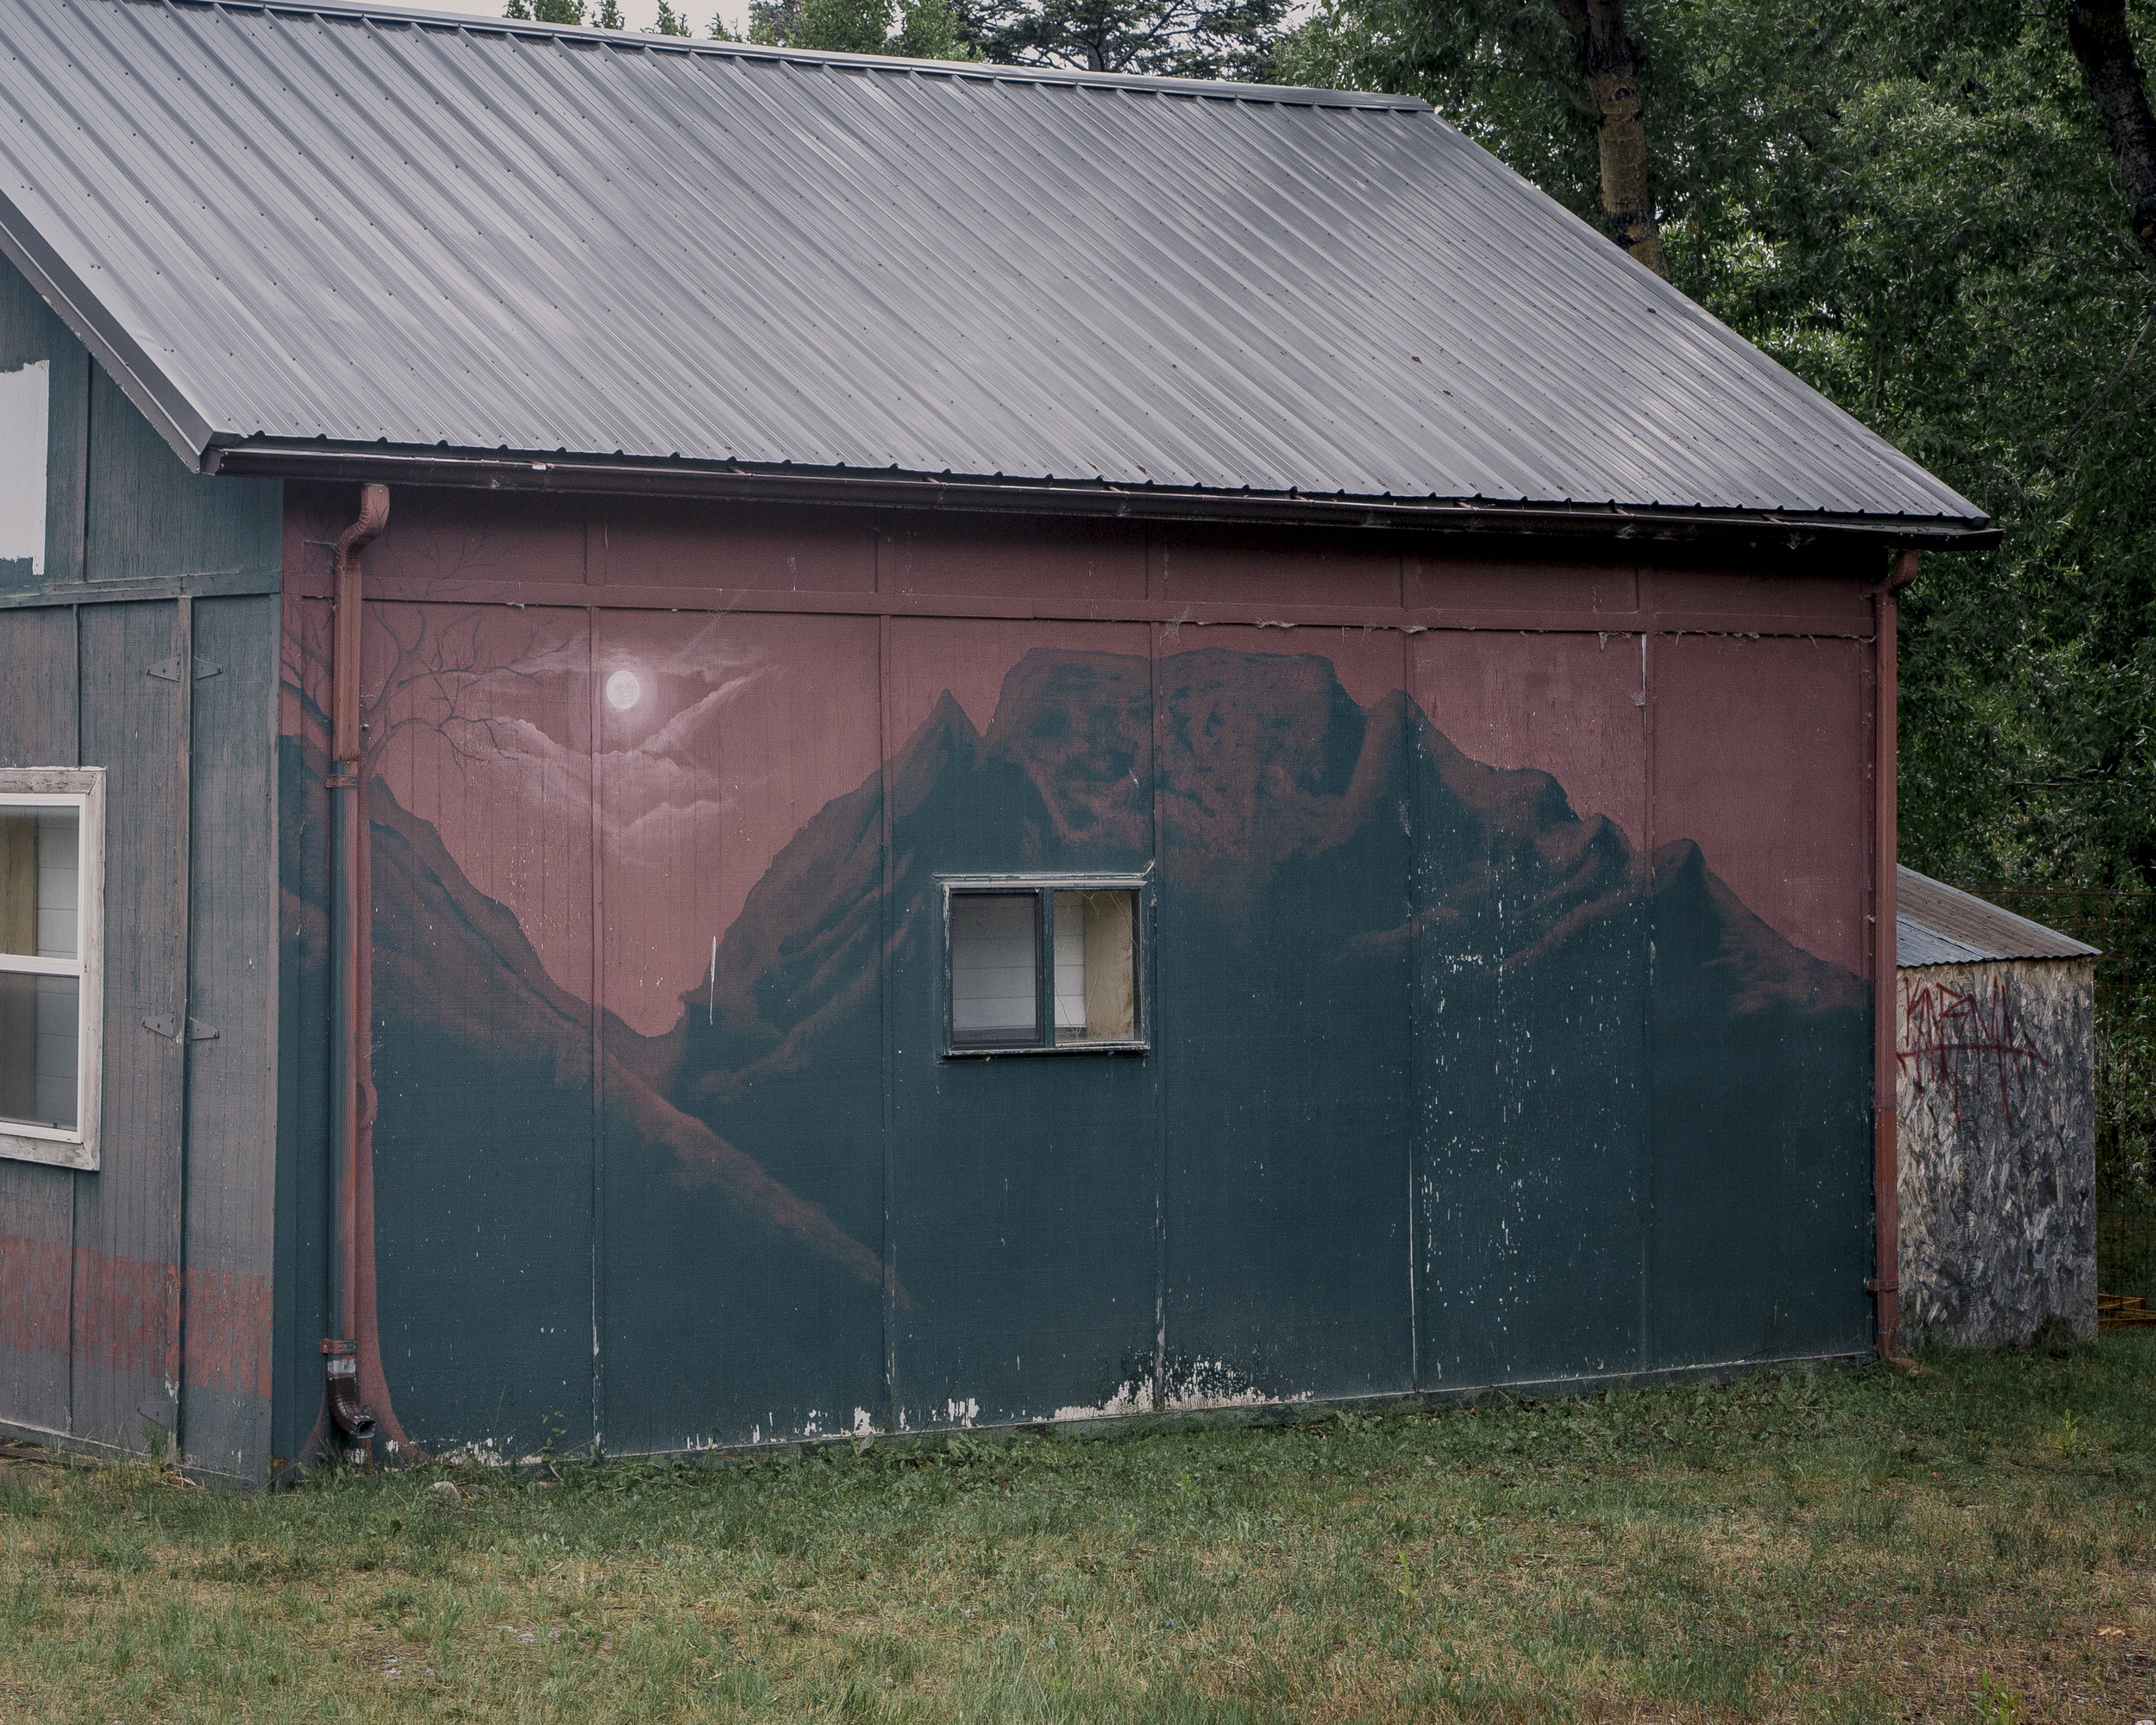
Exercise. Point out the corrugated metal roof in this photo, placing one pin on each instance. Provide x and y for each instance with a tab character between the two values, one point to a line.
1936	924
295	221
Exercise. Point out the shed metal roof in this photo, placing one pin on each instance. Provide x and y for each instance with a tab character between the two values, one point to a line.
306	223
1936	924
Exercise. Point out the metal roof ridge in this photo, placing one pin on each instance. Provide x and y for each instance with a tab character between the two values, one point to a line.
983	72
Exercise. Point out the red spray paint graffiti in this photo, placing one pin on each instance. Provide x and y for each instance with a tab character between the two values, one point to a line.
1955	1038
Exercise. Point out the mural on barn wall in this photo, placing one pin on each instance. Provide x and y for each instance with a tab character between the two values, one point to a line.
1605	1174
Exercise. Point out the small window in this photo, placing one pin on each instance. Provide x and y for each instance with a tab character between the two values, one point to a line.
1048	964
52	877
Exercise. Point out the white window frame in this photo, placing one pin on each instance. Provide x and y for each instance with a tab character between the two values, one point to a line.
83	789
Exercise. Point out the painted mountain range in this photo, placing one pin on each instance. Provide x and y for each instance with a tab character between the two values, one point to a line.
1447	1085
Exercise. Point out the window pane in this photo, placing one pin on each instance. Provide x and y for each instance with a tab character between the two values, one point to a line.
40	1028
40	868
1096	968
994	953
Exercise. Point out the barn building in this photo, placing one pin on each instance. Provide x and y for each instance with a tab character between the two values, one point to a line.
707	744
1995	1057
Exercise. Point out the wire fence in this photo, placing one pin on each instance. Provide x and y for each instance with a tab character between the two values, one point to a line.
2123	925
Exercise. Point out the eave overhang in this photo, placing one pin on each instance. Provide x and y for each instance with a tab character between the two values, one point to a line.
1782	532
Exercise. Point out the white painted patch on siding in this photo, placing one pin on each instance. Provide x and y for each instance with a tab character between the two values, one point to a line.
1130	1397
25	402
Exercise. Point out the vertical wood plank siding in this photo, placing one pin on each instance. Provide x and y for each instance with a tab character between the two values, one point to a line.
126	1351
37	1204
224	1422
134	1302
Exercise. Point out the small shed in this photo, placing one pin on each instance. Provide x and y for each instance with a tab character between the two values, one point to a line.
705	744
1996	1052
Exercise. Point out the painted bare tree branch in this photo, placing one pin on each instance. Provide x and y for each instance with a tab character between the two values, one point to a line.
442	679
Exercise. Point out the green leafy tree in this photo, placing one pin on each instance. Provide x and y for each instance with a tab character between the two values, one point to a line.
1221	39
546	11
929	29
671	22
772	21
924	29
606	15
843	26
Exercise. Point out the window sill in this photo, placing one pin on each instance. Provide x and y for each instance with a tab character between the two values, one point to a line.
55	1151
1006	1052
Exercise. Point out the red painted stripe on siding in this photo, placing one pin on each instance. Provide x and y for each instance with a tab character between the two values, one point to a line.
119	1305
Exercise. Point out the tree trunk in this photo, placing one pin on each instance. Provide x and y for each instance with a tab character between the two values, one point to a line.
1611	60
2097	31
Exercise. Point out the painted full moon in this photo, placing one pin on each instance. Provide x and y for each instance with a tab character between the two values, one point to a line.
623	691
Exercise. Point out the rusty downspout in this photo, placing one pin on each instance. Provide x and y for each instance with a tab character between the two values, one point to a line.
340	1350
1886	1201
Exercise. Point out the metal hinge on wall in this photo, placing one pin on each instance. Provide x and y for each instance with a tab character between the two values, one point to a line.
167	670
166	1026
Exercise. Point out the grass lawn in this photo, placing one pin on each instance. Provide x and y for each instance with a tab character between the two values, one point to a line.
1969	1544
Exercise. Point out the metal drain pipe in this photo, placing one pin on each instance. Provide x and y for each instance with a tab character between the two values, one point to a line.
340	1350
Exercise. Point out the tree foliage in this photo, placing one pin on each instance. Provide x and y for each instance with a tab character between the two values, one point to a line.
917	30
1170	38
1915	207
1231	39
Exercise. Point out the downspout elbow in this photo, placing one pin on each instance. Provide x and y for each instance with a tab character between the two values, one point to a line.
344	722
340	1383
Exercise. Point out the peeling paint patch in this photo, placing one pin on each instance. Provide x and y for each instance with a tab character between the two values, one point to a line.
1202	1384
1131	1396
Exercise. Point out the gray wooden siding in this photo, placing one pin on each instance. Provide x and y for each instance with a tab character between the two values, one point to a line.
140	1304
127	1214
29	332
150	519
232	1116
37	1204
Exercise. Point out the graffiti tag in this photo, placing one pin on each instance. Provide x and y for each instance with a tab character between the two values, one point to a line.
1955	1039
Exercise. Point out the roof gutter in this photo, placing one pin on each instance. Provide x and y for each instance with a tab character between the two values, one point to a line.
736	483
